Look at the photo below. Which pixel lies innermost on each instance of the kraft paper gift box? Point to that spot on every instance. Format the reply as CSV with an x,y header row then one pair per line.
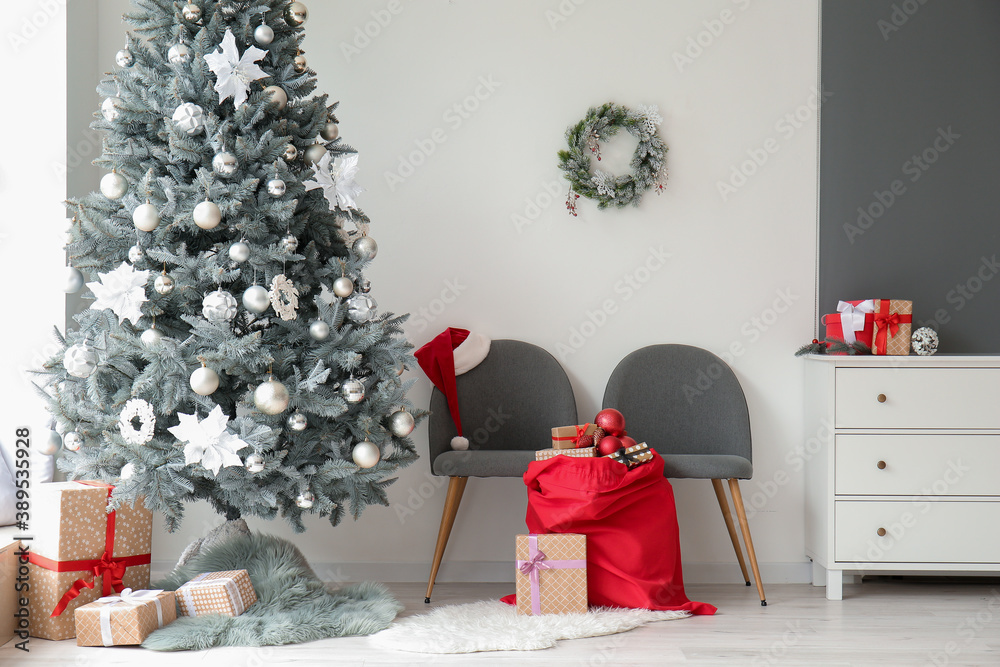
x,y
893,321
853,321
125,619
568,437
632,456
9,595
586,452
82,552
551,574
229,593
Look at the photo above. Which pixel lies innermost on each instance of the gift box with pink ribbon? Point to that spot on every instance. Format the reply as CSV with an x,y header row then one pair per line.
x,y
573,437
125,619
551,574
853,322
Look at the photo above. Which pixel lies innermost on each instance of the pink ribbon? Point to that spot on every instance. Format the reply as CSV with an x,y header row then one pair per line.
x,y
537,561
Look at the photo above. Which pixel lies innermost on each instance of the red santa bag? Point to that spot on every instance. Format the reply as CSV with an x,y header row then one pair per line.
x,y
629,518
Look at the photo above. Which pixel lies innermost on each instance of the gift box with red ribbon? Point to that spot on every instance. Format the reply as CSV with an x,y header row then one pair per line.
x,y
572,437
82,552
853,321
893,321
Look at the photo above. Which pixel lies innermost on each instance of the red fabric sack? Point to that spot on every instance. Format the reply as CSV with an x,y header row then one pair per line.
x,y
630,520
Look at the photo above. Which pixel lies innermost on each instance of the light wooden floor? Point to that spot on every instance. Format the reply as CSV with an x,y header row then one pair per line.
x,y
885,624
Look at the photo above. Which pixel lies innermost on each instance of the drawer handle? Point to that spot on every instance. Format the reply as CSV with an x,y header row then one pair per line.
x,y
880,398
881,532
881,465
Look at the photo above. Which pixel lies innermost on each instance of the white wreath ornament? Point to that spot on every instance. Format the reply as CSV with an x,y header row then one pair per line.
x,y
137,407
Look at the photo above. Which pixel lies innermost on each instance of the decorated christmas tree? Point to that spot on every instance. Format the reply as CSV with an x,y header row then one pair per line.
x,y
233,351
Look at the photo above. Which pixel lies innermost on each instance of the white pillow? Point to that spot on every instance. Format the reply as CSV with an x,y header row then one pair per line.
x,y
7,493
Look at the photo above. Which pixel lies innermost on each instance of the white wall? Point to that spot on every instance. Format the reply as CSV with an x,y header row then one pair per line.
x,y
452,223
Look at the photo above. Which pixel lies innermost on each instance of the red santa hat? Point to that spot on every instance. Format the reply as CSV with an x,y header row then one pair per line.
x,y
451,353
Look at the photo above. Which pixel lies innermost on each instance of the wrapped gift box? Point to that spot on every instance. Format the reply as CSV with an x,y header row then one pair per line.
x,y
632,456
82,552
551,574
586,452
893,321
9,595
568,437
229,593
125,619
853,321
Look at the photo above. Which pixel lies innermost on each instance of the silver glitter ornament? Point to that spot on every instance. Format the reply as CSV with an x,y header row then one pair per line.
x,y
276,187
271,397
145,217
192,12
300,64
297,421
218,306
204,381
353,391
343,287
224,164
296,14
49,446
289,243
366,454
151,337
114,185
924,341
256,299
239,252
365,248
207,215
74,280
401,423
278,96
330,131
124,58
254,463
361,308
134,254
291,153
163,284
305,500
189,118
314,154
319,330
72,441
178,54
263,35
109,108
79,360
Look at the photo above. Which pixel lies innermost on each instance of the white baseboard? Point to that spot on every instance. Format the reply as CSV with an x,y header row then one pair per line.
x,y
503,571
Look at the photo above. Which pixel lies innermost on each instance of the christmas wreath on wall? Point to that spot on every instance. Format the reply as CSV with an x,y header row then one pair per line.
x,y
648,161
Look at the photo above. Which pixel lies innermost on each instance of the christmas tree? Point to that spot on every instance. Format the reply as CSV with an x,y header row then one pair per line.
x,y
233,352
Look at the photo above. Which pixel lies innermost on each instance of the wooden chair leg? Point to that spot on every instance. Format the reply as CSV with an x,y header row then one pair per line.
x,y
456,487
720,493
741,514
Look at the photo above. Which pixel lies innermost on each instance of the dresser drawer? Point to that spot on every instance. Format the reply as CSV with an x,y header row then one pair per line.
x,y
934,532
952,398
917,465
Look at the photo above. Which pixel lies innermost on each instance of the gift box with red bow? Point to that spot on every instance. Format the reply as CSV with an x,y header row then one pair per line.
x,y
893,321
573,437
82,552
551,574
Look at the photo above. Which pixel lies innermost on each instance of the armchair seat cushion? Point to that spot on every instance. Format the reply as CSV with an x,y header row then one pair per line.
x,y
483,463
706,466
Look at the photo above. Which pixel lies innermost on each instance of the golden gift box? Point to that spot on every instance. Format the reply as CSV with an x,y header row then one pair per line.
x,y
125,619
229,593
568,437
551,574
586,452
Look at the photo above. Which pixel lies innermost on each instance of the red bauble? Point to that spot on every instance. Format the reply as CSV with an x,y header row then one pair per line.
x,y
628,442
611,421
609,444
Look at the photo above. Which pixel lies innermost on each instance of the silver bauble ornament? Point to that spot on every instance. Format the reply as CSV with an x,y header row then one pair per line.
x,y
343,287
314,154
114,185
163,284
178,54
296,14
401,423
263,35
239,252
254,463
127,471
353,391
297,421
300,64
366,454
145,217
291,152
256,299
924,341
51,444
361,308
365,286
135,254
289,243
207,215
224,164
151,337
365,248
79,360
74,280
109,108
278,96
319,330
218,306
204,381
271,397
276,187
330,131
192,12
305,500
189,118
72,441
124,58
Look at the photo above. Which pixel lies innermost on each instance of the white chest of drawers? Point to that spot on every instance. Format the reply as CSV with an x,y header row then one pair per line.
x,y
902,465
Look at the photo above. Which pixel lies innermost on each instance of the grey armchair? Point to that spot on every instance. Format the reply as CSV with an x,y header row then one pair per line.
x,y
508,405
701,432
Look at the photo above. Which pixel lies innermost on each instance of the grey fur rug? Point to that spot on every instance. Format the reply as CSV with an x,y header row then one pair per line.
x,y
292,606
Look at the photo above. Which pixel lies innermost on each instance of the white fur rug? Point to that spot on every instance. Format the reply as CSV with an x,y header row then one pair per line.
x,y
494,626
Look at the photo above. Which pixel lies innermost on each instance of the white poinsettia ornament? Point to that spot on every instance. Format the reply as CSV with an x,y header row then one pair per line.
x,y
208,441
651,117
123,291
233,72
337,180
